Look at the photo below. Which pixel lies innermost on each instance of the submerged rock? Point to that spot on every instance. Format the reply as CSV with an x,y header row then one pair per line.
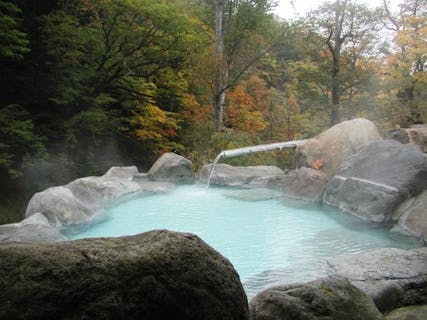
x,y
305,183
172,167
373,182
227,175
321,299
391,277
330,148
412,217
154,275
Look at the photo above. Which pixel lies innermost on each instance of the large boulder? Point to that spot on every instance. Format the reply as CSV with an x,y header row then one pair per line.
x,y
227,175
373,182
61,207
305,183
321,299
330,148
391,277
172,167
82,200
33,229
155,275
412,217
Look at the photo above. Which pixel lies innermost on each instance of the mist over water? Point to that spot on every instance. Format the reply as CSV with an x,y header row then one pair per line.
x,y
269,240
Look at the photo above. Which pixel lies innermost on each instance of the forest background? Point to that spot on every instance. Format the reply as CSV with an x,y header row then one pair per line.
x,y
88,84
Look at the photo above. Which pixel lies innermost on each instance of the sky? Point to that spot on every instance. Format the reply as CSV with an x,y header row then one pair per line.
x,y
289,9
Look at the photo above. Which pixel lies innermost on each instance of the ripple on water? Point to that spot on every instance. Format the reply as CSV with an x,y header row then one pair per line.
x,y
269,240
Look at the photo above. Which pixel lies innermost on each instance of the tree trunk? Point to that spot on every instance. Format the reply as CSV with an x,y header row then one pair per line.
x,y
219,95
336,56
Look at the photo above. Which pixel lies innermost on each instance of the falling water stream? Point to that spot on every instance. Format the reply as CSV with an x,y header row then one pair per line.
x,y
251,149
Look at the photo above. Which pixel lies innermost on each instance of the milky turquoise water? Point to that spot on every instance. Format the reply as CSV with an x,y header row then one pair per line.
x,y
269,241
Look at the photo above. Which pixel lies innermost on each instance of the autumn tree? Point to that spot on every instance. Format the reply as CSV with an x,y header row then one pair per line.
x,y
241,29
345,28
405,70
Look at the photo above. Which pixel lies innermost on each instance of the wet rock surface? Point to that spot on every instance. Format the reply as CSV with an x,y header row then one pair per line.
x,y
373,182
155,275
321,299
412,217
305,183
391,277
227,175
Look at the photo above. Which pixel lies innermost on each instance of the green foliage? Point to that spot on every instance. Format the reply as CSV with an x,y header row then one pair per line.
x,y
14,42
19,143
91,84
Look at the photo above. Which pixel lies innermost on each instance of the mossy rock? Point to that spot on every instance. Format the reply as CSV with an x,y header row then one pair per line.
x,y
417,312
323,299
154,275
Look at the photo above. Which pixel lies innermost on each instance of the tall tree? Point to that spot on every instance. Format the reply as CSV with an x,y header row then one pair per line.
x,y
243,34
342,24
405,68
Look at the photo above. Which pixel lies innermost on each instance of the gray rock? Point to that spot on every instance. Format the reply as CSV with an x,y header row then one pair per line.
x,y
35,228
172,167
37,218
397,134
373,182
82,200
156,186
321,299
142,176
125,173
418,312
253,194
305,183
336,144
391,277
155,275
413,217
106,189
226,175
416,135
60,206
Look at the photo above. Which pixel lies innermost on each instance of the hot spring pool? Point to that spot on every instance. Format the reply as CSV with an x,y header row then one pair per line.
x,y
269,240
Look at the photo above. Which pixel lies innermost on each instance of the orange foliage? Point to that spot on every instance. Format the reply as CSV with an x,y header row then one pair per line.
x,y
246,105
317,164
152,124
192,111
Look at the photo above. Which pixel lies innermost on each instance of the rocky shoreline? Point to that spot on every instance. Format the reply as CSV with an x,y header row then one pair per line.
x,y
348,166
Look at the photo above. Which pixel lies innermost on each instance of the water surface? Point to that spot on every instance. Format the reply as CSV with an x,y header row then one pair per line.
x,y
268,239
